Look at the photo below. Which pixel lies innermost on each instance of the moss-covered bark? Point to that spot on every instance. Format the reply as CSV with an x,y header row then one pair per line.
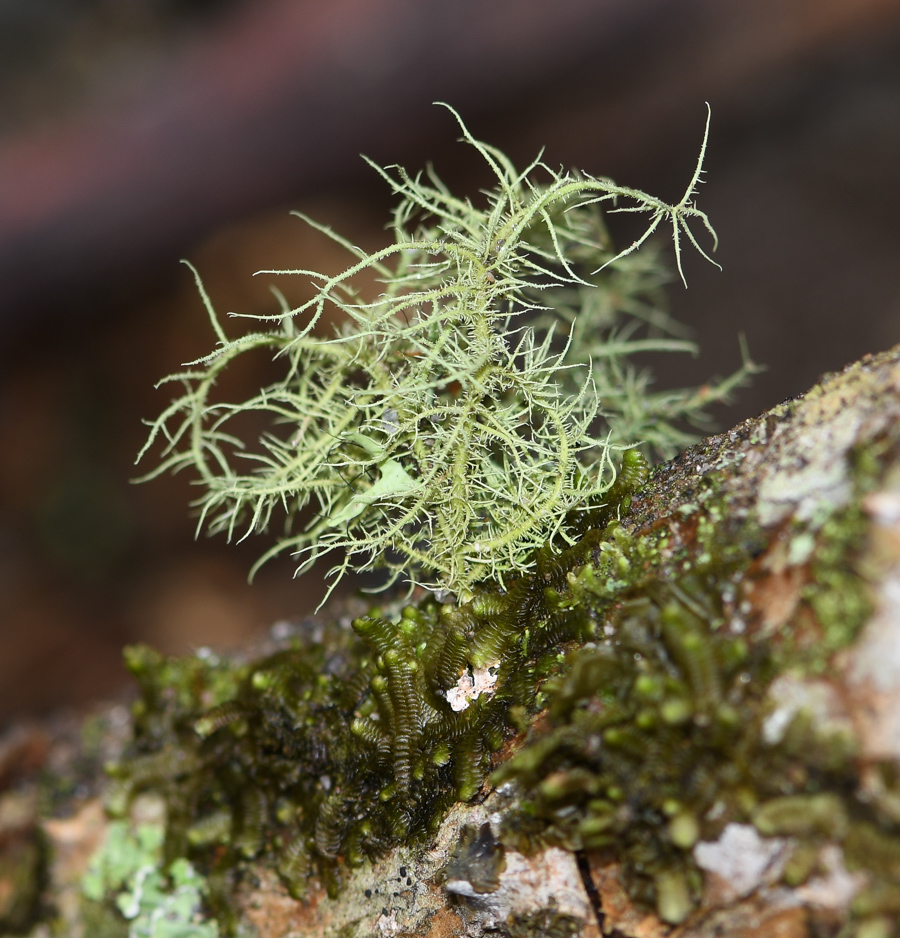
x,y
692,723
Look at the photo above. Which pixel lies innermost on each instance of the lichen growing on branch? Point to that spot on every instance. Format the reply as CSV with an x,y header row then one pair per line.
x,y
472,411
478,428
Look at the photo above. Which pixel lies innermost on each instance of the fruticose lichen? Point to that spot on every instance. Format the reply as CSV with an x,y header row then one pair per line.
x,y
472,411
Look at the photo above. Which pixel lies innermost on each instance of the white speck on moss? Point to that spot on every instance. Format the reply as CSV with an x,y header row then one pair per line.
x,y
470,686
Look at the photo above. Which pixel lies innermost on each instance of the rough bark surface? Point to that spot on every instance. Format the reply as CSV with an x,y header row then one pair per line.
x,y
784,469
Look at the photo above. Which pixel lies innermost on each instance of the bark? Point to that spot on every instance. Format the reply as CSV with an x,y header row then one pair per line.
x,y
792,465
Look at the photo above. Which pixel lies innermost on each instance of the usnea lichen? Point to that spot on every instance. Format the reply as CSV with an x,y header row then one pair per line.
x,y
470,412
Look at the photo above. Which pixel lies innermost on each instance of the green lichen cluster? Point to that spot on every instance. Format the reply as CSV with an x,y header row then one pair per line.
x,y
449,427
156,900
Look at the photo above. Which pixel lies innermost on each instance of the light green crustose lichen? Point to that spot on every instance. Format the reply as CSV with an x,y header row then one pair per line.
x,y
157,902
447,429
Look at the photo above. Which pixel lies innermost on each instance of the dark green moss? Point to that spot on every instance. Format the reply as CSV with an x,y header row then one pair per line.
x,y
646,746
23,873
544,924
102,921
336,748
343,743
653,737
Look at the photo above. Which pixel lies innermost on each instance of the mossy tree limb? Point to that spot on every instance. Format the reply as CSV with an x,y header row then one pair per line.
x,y
778,542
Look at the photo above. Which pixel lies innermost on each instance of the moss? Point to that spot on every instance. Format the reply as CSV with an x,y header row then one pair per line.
x,y
646,740
625,663
836,593
544,924
337,747
23,874
102,921
653,735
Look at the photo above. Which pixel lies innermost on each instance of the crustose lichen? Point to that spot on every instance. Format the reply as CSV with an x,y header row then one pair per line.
x,y
446,431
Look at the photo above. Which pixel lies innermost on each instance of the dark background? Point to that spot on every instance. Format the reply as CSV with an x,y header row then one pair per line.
x,y
136,132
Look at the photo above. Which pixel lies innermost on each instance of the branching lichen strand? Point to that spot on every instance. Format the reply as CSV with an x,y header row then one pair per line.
x,y
465,416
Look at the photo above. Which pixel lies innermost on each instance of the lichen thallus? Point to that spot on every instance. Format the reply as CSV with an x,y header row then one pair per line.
x,y
467,415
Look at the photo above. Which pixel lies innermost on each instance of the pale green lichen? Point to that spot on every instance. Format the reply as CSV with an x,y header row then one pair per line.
x,y
123,854
443,434
128,874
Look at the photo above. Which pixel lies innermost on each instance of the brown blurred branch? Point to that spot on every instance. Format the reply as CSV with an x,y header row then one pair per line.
x,y
280,96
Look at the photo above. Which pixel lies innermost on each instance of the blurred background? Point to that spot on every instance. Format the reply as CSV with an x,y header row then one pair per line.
x,y
137,132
